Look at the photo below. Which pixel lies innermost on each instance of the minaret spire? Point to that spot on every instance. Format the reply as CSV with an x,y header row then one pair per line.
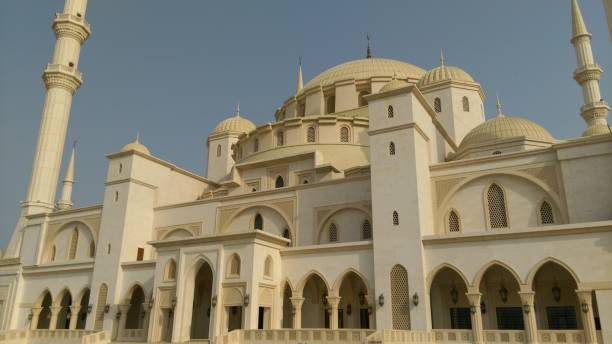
x,y
441,57
300,80
237,112
62,78
587,74
498,107
369,50
65,201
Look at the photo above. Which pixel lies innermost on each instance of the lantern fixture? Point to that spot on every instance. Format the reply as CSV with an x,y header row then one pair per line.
x,y
247,300
118,315
503,293
89,308
143,313
324,299
173,302
556,292
68,313
106,308
472,309
151,303
483,307
361,297
30,315
381,300
526,308
349,309
454,294
214,301
585,307
415,299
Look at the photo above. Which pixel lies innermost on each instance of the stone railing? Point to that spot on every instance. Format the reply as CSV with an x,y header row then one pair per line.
x,y
102,337
503,336
133,335
561,336
44,336
453,336
398,336
13,336
294,336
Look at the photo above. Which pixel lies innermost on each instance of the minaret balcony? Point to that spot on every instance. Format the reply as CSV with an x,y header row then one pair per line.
x,y
56,75
588,72
66,24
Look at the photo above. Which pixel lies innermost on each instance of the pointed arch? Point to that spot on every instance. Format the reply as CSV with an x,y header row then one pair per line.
x,y
333,232
345,134
481,272
135,298
546,213
437,105
300,286
400,297
366,229
338,282
45,301
465,102
432,274
391,148
61,294
496,206
64,301
100,306
453,222
170,270
390,113
534,270
287,313
234,265
279,182
268,267
258,222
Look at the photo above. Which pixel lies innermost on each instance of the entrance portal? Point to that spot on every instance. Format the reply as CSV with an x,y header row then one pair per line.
x,y
202,293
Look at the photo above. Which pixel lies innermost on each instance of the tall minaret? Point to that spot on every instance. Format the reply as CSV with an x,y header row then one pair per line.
x,y
62,78
300,80
587,74
65,201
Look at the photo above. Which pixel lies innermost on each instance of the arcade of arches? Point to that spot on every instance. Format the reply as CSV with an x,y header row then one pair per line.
x,y
63,313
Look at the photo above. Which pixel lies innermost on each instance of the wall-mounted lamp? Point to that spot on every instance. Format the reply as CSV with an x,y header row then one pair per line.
x,y
415,299
585,307
381,300
68,314
89,308
173,302
151,303
118,315
214,301
30,315
143,314
349,309
247,300
454,294
556,292
106,308
503,294
361,297
472,309
526,308
293,311
483,307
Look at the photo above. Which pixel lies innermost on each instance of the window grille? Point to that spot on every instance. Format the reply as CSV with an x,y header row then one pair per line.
x,y
497,152
74,240
218,150
561,317
390,112
460,318
311,135
391,148
546,213
280,138
453,222
256,145
466,104
438,105
400,298
258,222
395,218
344,134
333,233
497,207
366,230
509,318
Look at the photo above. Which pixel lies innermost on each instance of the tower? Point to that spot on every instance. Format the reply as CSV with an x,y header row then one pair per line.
x,y
62,78
65,201
587,74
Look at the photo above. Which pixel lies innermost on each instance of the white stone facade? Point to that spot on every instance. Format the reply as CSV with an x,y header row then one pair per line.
x,y
378,207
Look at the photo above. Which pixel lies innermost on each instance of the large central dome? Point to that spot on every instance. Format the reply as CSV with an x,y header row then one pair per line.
x,y
366,69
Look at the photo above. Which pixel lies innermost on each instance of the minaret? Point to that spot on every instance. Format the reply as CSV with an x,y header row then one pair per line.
x,y
65,201
62,78
587,74
300,80
369,50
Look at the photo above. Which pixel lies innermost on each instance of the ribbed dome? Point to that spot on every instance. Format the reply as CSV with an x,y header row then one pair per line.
x,y
443,73
365,69
235,123
393,85
505,127
136,146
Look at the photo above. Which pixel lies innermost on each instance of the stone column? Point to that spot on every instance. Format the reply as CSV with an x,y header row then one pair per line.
x,y
297,311
147,315
122,319
529,318
35,314
586,313
74,316
474,299
55,310
333,302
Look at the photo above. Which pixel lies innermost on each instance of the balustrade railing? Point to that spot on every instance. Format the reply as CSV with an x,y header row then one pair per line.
x,y
295,336
453,336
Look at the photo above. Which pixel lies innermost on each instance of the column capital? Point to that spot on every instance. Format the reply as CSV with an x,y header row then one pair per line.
x,y
297,301
36,310
55,309
334,301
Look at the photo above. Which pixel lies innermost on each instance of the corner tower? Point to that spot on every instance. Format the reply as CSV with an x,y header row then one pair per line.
x,y
62,78
587,74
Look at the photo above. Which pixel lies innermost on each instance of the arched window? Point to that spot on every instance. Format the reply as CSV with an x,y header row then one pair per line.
x,y
279,182
546,214
361,100
74,241
453,222
287,234
234,265
330,104
311,135
390,111
400,298
302,109
53,251
437,105
466,104
256,145
395,218
333,233
366,230
170,273
496,202
92,249
391,148
280,138
258,222
218,150
344,134
268,267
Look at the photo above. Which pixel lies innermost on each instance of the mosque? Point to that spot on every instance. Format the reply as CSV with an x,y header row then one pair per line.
x,y
379,206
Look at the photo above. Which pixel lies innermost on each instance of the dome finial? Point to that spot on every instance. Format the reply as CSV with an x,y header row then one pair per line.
x,y
498,106
369,51
237,112
137,139
441,57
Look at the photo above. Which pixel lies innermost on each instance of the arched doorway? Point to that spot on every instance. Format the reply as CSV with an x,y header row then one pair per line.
x,y
44,318
315,309
201,311
500,306
287,321
82,320
134,319
63,317
556,304
353,310
450,308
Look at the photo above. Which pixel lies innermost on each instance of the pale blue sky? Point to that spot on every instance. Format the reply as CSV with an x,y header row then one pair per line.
x,y
172,69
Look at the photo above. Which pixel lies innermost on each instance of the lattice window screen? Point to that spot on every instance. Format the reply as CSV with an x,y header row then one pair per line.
x,y
344,134
99,320
466,104
400,298
395,218
453,222
366,230
391,148
310,135
546,213
437,105
74,240
497,207
333,233
390,111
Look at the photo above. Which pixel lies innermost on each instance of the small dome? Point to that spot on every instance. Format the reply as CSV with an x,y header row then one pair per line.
x,y
505,127
136,146
236,124
443,73
393,85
